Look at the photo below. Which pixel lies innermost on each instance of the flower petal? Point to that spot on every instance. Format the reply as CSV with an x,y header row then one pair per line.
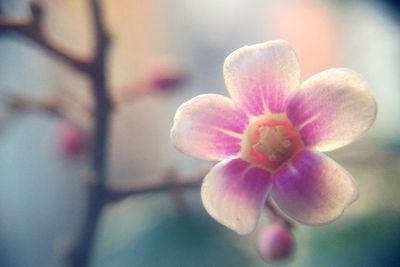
x,y
209,127
261,77
313,189
234,193
332,109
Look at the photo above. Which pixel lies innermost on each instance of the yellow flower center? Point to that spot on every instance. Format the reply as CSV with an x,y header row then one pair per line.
x,y
275,143
270,142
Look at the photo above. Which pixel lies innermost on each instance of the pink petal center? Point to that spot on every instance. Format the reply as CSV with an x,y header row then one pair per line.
x,y
271,141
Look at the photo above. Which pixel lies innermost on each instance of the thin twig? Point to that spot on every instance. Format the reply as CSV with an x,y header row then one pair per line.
x,y
33,30
116,195
177,195
16,103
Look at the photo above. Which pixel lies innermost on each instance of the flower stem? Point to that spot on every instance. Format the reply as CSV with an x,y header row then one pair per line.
x,y
277,215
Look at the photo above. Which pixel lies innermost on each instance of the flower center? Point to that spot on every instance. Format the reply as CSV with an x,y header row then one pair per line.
x,y
275,143
271,142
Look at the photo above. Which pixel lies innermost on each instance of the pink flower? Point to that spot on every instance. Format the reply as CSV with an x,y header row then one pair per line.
x,y
269,136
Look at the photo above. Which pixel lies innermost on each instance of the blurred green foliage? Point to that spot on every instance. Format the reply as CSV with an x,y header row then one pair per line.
x,y
194,241
371,241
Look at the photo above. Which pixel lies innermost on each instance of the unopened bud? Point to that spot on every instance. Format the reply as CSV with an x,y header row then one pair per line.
x,y
165,79
275,243
164,74
72,139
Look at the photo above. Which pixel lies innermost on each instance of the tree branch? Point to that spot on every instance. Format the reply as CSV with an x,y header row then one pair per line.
x,y
115,195
16,103
81,254
99,194
33,30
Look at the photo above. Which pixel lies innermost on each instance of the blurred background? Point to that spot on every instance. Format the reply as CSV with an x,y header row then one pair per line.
x,y
42,197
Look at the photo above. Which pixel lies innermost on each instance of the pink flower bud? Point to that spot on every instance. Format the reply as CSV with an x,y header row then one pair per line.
x,y
72,139
275,243
164,78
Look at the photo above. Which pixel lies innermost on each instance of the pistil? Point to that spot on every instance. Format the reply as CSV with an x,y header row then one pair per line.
x,y
275,143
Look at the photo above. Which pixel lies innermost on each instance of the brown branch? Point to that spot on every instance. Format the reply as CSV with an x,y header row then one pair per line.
x,y
81,253
15,103
98,75
115,195
96,71
33,30
99,194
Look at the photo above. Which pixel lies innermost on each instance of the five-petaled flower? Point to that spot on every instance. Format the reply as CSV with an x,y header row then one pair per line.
x,y
269,136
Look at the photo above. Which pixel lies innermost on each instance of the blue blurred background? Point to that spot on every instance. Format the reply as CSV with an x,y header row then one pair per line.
x,y
42,198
